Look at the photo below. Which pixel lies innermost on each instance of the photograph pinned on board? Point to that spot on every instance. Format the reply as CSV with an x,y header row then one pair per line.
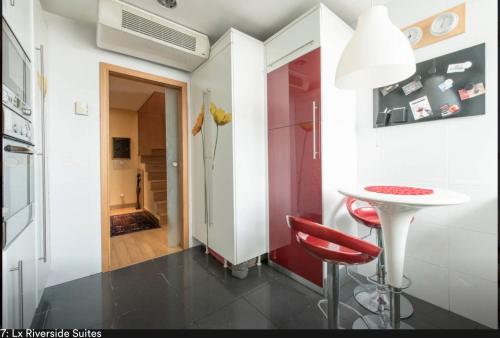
x,y
471,90
383,117
445,85
398,115
413,86
459,67
421,108
448,110
387,89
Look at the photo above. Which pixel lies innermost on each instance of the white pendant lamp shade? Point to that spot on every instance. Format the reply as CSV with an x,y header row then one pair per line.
x,y
378,54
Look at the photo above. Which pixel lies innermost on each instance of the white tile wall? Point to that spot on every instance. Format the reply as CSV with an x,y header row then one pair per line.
x,y
470,151
473,298
428,242
474,253
429,282
452,252
480,214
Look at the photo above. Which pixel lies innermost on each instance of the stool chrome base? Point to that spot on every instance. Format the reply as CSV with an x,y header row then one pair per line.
x,y
376,323
369,300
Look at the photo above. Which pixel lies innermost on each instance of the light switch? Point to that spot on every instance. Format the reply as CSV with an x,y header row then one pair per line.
x,y
81,108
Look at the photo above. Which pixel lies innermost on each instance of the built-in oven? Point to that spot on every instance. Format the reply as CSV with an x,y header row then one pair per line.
x,y
16,74
17,136
17,176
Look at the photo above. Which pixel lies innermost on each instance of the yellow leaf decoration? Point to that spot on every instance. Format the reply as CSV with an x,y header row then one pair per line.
x,y
42,83
199,121
220,117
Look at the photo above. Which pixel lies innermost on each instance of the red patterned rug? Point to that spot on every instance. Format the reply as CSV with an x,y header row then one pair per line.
x,y
136,221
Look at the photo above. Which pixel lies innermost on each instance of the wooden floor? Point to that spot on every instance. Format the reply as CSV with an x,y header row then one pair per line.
x,y
138,246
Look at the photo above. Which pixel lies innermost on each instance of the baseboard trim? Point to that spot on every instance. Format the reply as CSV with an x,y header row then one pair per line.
x,y
121,206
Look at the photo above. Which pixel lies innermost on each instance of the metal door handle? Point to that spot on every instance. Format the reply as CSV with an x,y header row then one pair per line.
x,y
314,108
18,150
19,270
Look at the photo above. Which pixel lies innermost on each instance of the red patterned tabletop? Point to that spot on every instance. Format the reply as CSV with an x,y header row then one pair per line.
x,y
398,190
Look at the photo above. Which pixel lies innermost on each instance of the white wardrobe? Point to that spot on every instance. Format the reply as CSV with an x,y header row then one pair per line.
x,y
234,79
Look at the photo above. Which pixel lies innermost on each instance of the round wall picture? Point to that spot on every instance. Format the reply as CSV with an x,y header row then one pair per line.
x,y
414,35
444,23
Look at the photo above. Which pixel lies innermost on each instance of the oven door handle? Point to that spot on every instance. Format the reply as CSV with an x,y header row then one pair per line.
x,y
18,150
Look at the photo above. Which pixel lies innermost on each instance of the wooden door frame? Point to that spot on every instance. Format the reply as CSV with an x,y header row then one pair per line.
x,y
105,70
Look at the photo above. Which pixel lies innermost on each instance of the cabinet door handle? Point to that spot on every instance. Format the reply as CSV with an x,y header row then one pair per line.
x,y
315,150
19,270
12,3
44,185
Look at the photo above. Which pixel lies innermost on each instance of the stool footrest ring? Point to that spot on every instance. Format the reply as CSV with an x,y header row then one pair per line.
x,y
323,311
406,281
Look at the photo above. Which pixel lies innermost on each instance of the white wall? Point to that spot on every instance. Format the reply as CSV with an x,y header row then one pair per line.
x,y
74,169
452,251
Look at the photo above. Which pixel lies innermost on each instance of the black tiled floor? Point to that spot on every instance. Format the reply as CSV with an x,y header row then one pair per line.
x,y
281,299
237,315
193,291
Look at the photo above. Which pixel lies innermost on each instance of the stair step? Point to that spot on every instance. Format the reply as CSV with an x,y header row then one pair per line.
x,y
159,152
158,175
153,159
156,167
159,185
160,196
161,207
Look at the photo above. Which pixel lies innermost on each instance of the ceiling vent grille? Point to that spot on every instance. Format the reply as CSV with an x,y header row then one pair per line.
x,y
155,30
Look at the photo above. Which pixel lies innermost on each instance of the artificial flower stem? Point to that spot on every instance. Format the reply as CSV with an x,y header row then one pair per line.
x,y
205,186
215,147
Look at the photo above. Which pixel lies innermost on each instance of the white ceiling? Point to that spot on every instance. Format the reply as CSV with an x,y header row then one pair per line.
x,y
129,94
258,18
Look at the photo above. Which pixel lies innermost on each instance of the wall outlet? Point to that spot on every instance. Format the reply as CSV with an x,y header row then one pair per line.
x,y
81,108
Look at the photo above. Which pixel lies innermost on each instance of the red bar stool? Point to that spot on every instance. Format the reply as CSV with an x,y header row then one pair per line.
x,y
334,248
373,297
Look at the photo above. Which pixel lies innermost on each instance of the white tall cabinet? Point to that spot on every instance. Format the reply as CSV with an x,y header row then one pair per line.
x,y
234,77
321,28
307,167
19,16
40,105
19,281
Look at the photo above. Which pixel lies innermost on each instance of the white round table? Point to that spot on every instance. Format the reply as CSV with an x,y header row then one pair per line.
x,y
396,206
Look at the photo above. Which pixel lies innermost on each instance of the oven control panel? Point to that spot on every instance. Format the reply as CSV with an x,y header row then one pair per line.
x,y
16,126
10,100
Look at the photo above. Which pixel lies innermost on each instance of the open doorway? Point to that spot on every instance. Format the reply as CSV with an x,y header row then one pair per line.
x,y
143,167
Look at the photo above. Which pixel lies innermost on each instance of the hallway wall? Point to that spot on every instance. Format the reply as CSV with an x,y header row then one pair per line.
x,y
123,172
74,146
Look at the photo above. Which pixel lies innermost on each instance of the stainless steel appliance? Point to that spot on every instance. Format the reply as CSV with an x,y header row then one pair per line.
x,y
17,148
16,74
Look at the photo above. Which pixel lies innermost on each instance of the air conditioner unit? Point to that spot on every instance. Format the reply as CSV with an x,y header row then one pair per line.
x,y
129,30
